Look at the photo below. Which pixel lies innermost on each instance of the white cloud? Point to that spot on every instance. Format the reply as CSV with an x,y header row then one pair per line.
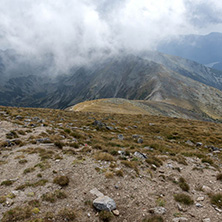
x,y
72,30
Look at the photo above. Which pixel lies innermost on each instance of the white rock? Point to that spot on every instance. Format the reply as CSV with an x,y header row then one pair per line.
x,y
200,199
96,192
206,220
218,209
116,212
199,205
206,189
158,210
180,219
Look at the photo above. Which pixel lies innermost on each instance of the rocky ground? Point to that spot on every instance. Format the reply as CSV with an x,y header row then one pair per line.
x,y
54,165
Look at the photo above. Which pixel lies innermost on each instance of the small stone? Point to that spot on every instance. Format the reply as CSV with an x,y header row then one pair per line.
x,y
9,202
198,144
88,214
154,167
158,210
116,212
169,165
180,219
206,189
15,192
180,208
206,220
104,203
200,199
199,205
96,192
140,140
140,155
218,209
109,127
188,142
135,136
120,137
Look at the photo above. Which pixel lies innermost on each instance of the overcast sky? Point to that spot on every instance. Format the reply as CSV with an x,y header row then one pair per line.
x,y
71,30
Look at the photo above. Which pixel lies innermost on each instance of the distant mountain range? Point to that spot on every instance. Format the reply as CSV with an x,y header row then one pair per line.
x,y
204,49
149,76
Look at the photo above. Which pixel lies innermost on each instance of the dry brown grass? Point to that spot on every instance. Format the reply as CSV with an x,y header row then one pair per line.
x,y
104,156
164,139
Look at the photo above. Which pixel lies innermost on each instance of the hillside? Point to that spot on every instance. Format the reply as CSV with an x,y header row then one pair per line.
x,y
147,76
204,49
154,168
122,106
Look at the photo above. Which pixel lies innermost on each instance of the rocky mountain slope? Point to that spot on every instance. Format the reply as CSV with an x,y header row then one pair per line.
x,y
204,49
55,164
148,76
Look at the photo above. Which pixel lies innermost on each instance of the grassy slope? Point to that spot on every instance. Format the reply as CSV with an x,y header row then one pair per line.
x,y
169,107
88,156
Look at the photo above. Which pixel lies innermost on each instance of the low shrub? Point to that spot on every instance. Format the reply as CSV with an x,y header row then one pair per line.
x,y
183,198
61,180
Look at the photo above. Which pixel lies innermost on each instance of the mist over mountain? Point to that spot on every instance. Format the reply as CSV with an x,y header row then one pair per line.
x,y
149,75
204,49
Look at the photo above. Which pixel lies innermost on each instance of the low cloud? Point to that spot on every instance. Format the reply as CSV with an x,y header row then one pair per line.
x,y
76,31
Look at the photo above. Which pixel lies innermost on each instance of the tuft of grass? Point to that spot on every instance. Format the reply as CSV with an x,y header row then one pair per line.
x,y
219,176
52,197
34,203
109,175
183,185
21,132
74,145
183,198
2,199
67,131
153,219
67,214
119,173
29,170
41,182
216,199
130,164
23,161
59,144
61,180
207,160
17,214
60,194
105,216
11,135
154,160
7,182
104,156
49,197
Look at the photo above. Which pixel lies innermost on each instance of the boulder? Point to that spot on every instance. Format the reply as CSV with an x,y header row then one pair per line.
x,y
104,203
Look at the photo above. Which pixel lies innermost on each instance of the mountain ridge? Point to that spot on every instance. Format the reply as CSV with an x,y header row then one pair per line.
x,y
147,76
